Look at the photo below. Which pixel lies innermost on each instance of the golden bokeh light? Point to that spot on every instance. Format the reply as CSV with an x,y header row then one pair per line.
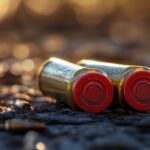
x,y
43,7
8,8
91,12
26,79
28,65
21,51
4,50
2,70
40,146
16,68
54,43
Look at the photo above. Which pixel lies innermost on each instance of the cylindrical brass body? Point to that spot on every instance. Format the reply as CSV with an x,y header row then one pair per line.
x,y
21,125
79,87
132,82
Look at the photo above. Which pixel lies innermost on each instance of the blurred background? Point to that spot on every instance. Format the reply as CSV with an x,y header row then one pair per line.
x,y
33,30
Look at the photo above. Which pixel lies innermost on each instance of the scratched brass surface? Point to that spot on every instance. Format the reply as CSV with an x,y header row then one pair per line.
x,y
57,77
114,71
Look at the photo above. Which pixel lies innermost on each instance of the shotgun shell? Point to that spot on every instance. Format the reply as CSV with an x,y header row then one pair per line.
x,y
87,89
22,125
132,82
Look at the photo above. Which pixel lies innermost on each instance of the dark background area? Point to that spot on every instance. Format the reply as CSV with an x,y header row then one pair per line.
x,y
109,30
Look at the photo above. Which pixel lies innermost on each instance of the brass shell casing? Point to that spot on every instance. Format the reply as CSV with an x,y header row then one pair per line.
x,y
59,79
119,74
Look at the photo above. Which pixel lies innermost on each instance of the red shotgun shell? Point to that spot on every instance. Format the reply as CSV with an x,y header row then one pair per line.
x,y
93,92
137,90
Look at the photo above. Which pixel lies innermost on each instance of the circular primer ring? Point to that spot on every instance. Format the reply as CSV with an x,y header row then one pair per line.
x,y
137,90
93,92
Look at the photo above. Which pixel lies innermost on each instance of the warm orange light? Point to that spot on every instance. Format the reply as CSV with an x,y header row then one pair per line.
x,y
43,7
40,146
8,8
21,51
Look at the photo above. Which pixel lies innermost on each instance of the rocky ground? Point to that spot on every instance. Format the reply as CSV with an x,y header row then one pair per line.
x,y
65,128
114,129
